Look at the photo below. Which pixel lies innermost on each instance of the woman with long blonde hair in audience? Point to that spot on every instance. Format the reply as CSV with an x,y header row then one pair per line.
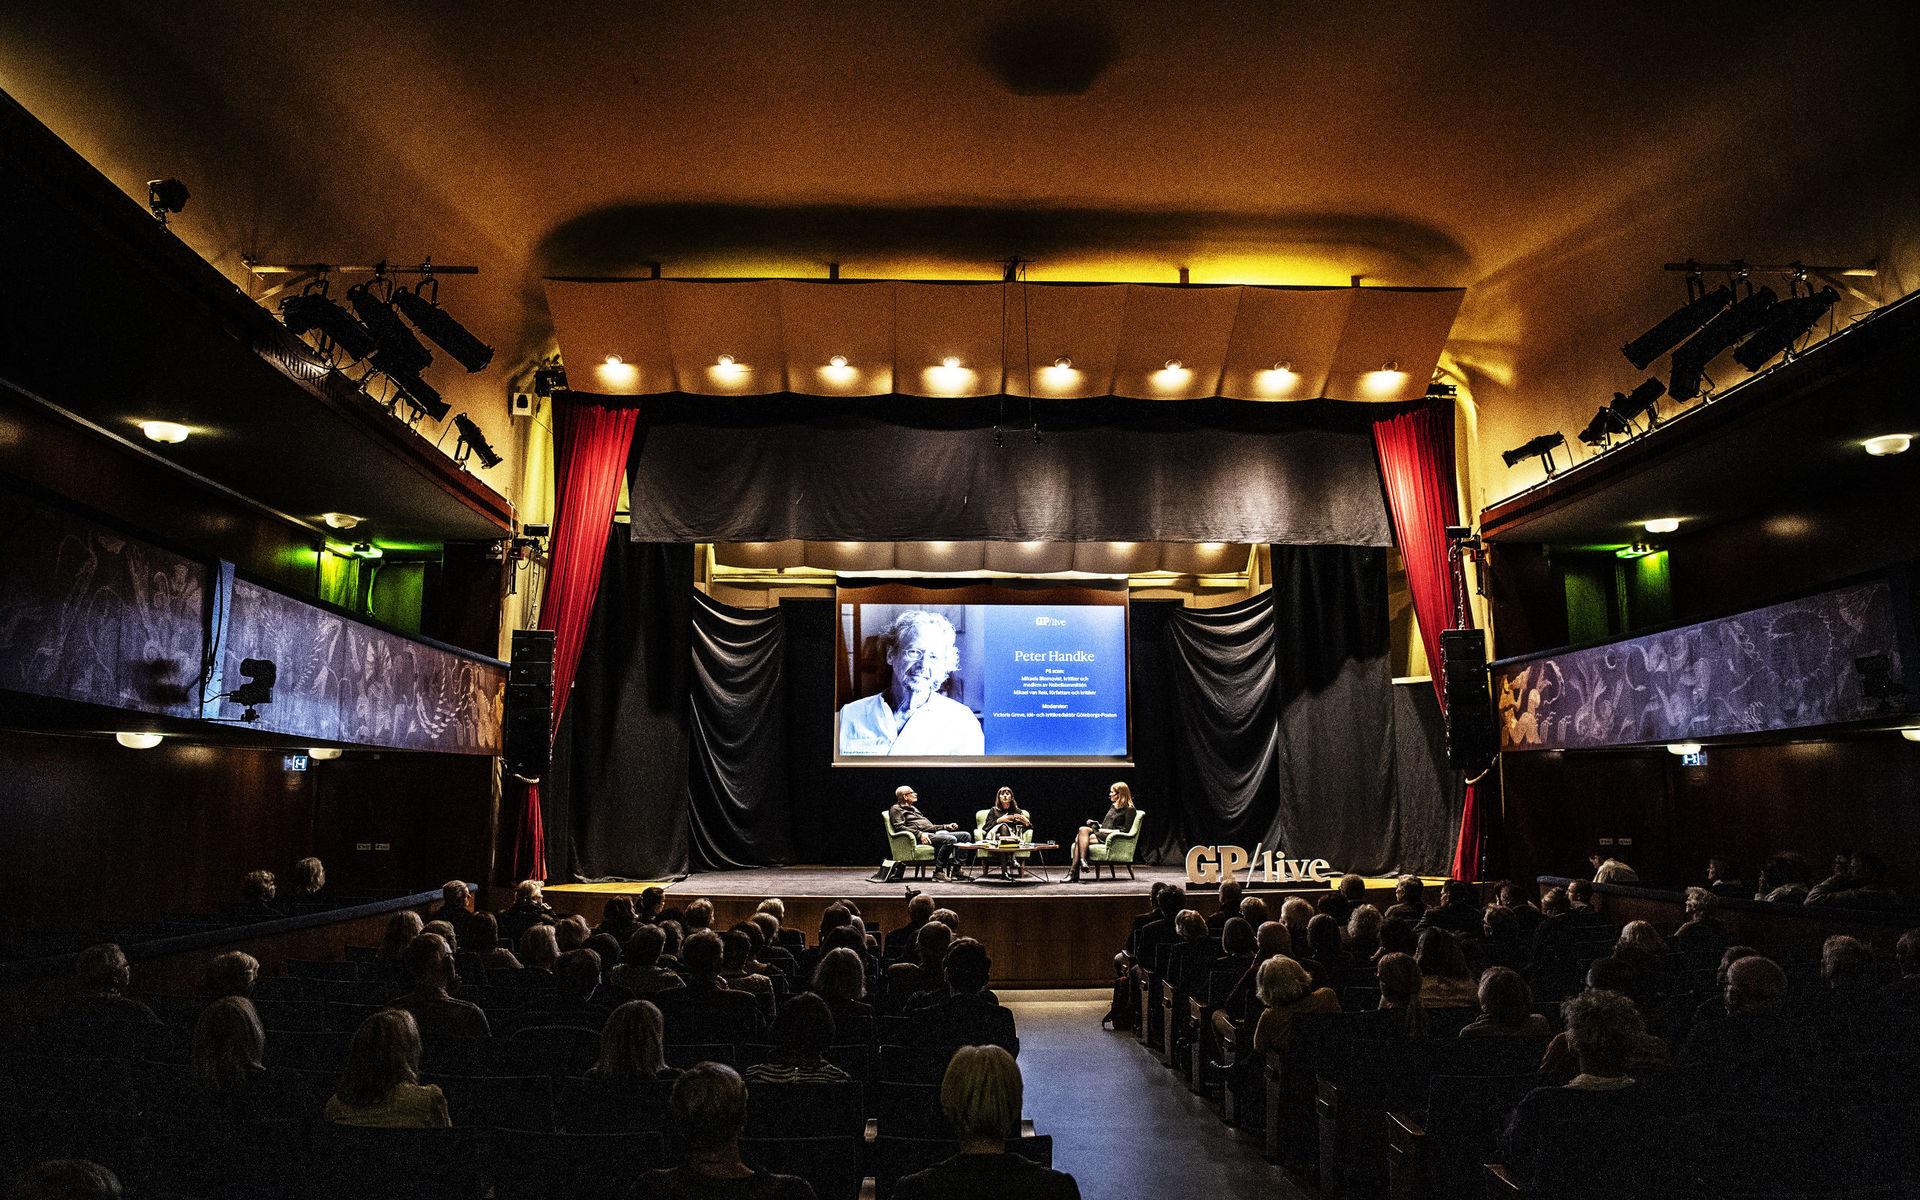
x,y
229,1046
1286,990
841,980
380,1086
633,1045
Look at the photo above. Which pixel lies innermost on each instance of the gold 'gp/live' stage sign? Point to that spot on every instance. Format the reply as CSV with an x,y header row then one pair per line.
x,y
1212,864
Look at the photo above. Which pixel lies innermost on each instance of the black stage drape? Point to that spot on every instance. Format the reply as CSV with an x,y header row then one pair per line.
x,y
616,802
901,469
1270,723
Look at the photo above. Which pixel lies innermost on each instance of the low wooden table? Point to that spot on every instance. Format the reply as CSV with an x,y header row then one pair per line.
x,y
1009,865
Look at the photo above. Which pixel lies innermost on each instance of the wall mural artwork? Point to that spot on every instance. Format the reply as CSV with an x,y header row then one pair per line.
x,y
340,680
89,614
1788,666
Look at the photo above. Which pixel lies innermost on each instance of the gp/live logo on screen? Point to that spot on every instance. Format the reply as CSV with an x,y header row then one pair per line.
x,y
1050,622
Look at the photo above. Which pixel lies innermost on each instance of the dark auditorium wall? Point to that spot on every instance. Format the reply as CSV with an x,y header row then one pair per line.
x,y
1746,802
90,831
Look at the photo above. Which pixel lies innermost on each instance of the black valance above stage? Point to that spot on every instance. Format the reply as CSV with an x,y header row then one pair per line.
x,y
700,735
909,469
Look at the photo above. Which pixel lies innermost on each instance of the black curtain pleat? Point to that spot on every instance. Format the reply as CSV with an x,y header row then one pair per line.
x,y
738,783
617,798
1220,665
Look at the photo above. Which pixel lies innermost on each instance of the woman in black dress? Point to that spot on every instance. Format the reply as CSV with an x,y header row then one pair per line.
x,y
1119,817
1006,818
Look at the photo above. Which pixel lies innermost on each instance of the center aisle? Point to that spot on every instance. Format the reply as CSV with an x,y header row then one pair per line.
x,y
1122,1124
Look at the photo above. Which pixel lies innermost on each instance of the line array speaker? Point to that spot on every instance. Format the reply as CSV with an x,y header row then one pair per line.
x,y
1463,676
529,716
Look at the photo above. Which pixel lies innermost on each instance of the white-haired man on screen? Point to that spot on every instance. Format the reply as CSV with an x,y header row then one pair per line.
x,y
912,718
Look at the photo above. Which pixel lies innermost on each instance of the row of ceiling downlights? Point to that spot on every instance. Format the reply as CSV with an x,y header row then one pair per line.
x,y
139,739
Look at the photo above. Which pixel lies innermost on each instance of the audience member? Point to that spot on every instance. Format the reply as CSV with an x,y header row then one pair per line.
x,y
1723,879
607,950
1363,933
904,979
529,908
576,1000
700,915
67,1179
947,917
1862,885
633,1046
229,1047
1193,954
1502,943
1458,911
1349,893
646,909
709,1110
1753,1032
1603,1030
1231,893
841,980
900,942
1784,879
801,1036
1848,986
257,892
539,948
1526,914
1621,978
1253,910
1238,946
617,920
769,948
1327,952
670,952
1445,979
1409,900
445,932
232,974
736,949
1608,869
1641,938
640,972
1285,991
402,928
1580,897
1400,983
436,1013
981,1096
1715,1006
706,1001
307,886
571,932
1507,1003
969,1015
1558,930
456,909
380,1086
101,977
1396,937
1703,929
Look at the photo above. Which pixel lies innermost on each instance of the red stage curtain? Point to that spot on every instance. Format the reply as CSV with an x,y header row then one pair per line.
x,y
1415,449
591,444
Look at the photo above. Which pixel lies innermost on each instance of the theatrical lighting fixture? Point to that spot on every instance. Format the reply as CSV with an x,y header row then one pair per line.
x,y
139,741
549,378
420,396
473,444
1677,326
450,335
1722,333
166,432
1640,402
1662,525
1888,444
1683,748
397,351
1541,448
324,753
1599,431
260,675
166,196
1789,319
314,311
341,520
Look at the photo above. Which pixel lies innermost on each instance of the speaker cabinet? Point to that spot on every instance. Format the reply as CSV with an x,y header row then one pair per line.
x,y
528,732
1463,677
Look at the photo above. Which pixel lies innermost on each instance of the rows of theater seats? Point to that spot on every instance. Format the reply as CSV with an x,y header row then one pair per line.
x,y
527,1122
1824,1106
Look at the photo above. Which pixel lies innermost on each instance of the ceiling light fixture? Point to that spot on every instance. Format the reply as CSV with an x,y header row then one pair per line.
x,y
617,373
1683,748
324,753
168,433
1912,735
341,520
1541,448
1888,444
473,444
725,362
1677,326
1663,525
1063,363
950,363
838,362
1173,364
429,318
139,741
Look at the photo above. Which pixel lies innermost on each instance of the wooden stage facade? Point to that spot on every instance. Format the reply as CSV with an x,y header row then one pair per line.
x,y
1040,934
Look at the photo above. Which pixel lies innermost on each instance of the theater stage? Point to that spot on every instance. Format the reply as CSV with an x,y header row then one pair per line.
x,y
1040,934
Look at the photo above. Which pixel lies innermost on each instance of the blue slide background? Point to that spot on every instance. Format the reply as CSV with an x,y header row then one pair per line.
x,y
1049,708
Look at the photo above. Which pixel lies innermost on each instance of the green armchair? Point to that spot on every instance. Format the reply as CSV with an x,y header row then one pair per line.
x,y
1117,850
980,835
904,848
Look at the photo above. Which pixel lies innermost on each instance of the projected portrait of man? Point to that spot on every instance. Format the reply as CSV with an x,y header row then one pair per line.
x,y
911,717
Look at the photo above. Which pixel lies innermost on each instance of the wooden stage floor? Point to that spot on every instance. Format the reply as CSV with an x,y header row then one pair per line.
x,y
1041,935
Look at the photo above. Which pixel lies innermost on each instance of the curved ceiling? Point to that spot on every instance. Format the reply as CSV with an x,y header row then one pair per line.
x,y
1548,160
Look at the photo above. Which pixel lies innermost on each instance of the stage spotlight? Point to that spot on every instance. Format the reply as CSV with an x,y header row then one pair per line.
x,y
473,443
397,351
448,334
1722,333
1789,319
1606,422
313,311
1541,448
1640,402
166,196
1676,327
420,396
